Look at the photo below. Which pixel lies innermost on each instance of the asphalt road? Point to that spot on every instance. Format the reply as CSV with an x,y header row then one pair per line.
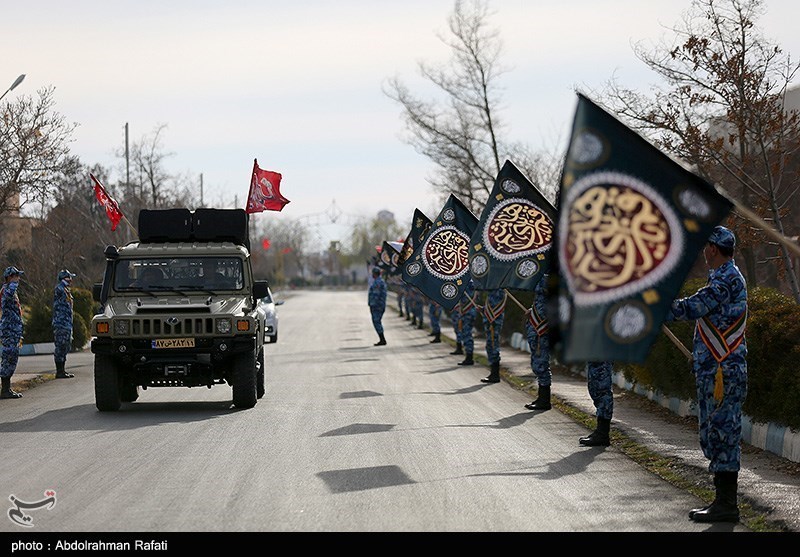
x,y
349,437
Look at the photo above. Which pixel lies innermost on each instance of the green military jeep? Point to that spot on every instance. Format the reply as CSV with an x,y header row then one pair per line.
x,y
179,308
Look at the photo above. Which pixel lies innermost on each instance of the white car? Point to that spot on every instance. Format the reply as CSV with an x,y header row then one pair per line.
x,y
268,303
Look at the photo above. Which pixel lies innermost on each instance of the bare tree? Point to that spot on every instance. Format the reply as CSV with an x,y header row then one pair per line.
x,y
461,133
723,111
288,244
34,150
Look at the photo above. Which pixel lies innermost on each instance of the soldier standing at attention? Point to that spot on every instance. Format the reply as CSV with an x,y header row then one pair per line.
x,y
376,298
11,329
719,364
468,311
62,322
539,343
493,314
598,376
455,319
435,313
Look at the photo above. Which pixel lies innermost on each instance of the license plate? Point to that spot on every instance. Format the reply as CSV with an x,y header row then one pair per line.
x,y
173,343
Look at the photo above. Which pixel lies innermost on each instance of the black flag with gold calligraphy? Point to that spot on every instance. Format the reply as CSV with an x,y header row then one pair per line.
x,y
511,245
632,222
420,225
439,266
389,257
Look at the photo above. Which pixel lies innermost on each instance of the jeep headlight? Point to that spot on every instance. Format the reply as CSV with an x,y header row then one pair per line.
x,y
122,327
223,326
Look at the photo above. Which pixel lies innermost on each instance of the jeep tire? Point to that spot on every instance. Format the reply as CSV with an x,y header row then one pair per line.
x,y
244,380
260,388
106,384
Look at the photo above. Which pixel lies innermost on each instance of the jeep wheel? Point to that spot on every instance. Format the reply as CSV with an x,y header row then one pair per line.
x,y
260,389
129,392
244,380
106,384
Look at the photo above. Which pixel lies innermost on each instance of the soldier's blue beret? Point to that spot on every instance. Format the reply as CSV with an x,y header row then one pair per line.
x,y
722,237
376,270
12,271
64,273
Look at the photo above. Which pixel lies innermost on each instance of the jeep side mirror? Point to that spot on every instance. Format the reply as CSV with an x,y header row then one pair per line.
x,y
260,289
96,290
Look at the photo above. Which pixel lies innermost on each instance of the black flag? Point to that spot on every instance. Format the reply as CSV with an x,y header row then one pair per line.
x,y
631,224
511,245
439,267
420,225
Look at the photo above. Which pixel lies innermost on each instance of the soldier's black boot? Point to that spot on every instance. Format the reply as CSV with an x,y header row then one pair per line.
x,y
437,337
468,361
600,437
494,374
381,341
5,390
458,351
725,507
542,401
60,372
697,510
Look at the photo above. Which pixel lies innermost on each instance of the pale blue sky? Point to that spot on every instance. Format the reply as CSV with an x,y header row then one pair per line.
x,y
298,84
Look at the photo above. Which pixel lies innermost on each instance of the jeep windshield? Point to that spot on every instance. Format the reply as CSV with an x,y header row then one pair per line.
x,y
184,274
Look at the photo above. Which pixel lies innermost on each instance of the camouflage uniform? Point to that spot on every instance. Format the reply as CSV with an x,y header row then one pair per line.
x,y
435,314
719,355
11,326
599,381
720,309
455,318
468,312
376,299
538,338
493,315
62,318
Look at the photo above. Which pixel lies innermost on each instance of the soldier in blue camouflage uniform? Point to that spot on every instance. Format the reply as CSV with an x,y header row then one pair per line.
x,y
468,311
435,314
376,299
599,376
407,294
419,308
455,319
62,322
719,355
539,343
11,329
493,313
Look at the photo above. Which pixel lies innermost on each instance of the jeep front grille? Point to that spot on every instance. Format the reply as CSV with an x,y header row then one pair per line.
x,y
187,326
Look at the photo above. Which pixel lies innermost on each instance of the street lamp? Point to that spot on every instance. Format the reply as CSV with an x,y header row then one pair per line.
x,y
13,86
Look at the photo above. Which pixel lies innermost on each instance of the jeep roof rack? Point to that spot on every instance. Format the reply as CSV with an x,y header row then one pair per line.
x,y
201,225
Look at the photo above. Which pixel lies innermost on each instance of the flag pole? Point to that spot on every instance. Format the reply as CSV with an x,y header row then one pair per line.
x,y
523,308
677,342
132,227
753,217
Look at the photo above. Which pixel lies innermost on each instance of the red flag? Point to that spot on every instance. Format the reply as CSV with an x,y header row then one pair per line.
x,y
286,250
112,209
265,192
265,243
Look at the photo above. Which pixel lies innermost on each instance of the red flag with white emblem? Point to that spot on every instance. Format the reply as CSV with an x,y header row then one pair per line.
x,y
265,193
108,202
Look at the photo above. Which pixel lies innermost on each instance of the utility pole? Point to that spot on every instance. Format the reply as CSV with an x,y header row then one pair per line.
x,y
127,161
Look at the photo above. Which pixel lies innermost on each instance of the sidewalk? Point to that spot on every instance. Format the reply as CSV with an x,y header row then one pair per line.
x,y
768,483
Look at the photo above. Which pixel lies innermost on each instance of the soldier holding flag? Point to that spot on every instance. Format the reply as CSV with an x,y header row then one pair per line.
x,y
720,369
539,343
493,313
